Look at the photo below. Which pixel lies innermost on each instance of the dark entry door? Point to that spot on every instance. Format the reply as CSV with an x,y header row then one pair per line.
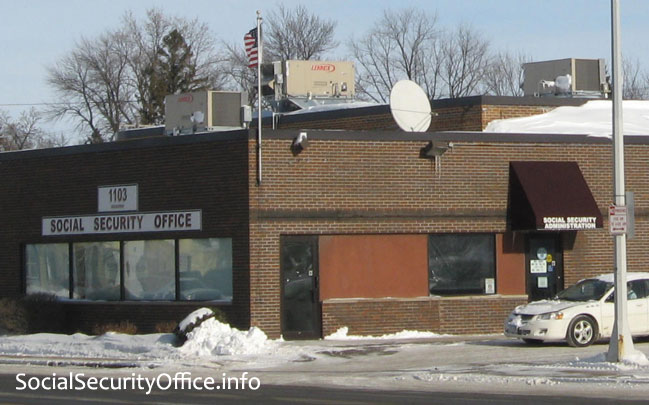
x,y
300,301
544,266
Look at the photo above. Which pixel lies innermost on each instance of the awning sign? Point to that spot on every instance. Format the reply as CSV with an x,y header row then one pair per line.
x,y
617,219
569,223
121,223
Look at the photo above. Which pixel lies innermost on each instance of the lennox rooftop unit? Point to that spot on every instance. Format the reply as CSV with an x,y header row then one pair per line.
x,y
206,110
295,84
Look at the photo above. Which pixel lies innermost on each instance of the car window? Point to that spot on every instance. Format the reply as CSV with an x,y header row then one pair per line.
x,y
634,290
639,288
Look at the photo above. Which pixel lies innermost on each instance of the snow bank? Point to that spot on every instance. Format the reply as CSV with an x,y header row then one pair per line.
x,y
593,118
341,334
215,338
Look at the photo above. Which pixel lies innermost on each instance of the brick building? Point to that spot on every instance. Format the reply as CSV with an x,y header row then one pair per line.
x,y
363,229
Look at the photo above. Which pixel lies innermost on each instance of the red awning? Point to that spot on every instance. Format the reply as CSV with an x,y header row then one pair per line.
x,y
551,196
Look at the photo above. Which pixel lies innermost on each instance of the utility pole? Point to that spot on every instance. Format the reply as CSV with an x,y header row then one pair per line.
x,y
621,344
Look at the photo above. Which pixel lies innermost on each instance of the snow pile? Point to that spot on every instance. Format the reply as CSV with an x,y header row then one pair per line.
x,y
633,359
212,337
342,334
593,118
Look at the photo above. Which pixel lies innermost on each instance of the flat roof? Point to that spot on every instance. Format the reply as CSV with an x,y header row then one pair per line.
x,y
333,135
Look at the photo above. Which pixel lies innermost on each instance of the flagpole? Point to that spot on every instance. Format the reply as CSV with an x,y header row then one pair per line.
x,y
260,53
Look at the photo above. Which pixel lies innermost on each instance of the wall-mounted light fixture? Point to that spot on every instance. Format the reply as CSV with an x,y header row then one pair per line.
x,y
434,149
300,143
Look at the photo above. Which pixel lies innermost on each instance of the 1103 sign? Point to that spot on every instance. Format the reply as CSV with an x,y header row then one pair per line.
x,y
117,198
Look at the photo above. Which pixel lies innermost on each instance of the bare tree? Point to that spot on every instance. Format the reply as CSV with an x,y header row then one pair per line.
x,y
297,34
117,79
465,59
25,133
504,76
287,34
636,81
155,42
401,45
237,72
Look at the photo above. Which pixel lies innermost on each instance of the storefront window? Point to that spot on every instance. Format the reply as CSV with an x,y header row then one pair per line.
x,y
48,269
205,269
96,271
461,264
149,270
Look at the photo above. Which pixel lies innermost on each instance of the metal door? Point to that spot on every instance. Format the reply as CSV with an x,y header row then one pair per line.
x,y
300,304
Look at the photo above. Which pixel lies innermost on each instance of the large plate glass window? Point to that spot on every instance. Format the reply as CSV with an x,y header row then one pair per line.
x,y
461,264
205,269
48,269
149,270
96,271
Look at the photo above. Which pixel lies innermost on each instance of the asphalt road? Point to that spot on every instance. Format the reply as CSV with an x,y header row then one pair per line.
x,y
277,394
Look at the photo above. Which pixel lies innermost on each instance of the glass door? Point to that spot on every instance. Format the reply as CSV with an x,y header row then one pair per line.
x,y
300,298
544,260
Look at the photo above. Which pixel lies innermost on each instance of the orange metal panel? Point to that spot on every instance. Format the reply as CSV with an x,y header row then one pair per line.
x,y
373,266
510,264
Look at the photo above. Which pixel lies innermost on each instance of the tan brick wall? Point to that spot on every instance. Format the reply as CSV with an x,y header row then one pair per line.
x,y
345,186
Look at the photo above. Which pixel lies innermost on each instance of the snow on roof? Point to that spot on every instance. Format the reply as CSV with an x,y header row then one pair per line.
x,y
593,118
333,107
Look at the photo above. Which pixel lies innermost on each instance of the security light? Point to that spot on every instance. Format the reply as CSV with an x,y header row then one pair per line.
x,y
300,143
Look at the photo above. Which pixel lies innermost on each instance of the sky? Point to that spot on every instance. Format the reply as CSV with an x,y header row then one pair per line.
x,y
35,34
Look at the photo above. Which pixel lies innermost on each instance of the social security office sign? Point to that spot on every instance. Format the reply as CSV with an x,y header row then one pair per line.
x,y
121,223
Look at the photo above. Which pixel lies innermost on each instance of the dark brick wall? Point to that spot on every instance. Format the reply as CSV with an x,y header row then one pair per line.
x,y
172,174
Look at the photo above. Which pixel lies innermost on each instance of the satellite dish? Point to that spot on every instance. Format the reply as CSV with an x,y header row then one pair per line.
x,y
410,106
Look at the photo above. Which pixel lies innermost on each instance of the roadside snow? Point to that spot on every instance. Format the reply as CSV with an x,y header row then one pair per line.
x,y
395,361
593,118
342,334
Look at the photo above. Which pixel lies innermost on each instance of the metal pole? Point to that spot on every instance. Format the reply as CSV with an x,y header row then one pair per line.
x,y
621,344
260,53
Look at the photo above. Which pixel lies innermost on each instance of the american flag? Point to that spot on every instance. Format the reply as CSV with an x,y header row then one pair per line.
x,y
250,40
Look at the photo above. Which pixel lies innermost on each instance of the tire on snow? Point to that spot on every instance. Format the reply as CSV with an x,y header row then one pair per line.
x,y
582,331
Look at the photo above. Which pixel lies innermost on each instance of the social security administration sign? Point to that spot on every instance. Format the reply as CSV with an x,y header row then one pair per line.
x,y
121,223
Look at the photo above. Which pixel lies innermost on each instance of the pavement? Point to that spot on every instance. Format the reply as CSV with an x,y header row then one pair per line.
x,y
477,363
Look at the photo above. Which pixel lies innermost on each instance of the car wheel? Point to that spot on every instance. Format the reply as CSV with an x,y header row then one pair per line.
x,y
533,342
582,331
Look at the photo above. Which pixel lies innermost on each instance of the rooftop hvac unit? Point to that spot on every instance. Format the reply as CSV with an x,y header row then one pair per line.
x,y
566,77
206,110
295,84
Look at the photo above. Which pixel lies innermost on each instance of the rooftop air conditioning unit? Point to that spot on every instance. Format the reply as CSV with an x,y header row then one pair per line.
x,y
566,77
295,84
206,110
